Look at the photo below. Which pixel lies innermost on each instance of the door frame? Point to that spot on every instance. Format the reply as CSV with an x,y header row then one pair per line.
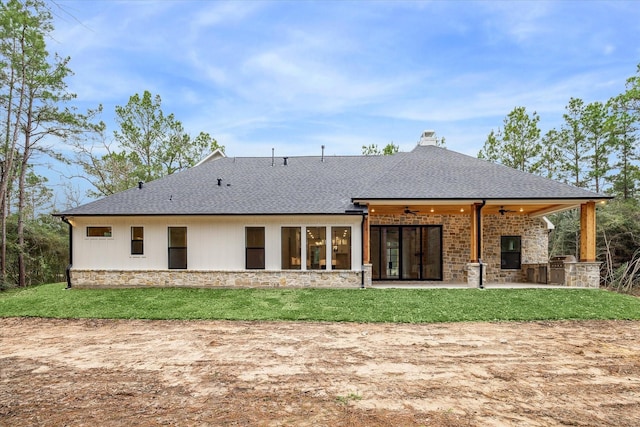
x,y
377,246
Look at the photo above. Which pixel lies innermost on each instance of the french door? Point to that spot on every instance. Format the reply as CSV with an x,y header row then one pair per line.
x,y
406,252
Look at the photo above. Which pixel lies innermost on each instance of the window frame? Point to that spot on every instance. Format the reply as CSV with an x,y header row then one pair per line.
x,y
104,234
254,256
175,249
289,260
135,241
339,242
316,254
511,259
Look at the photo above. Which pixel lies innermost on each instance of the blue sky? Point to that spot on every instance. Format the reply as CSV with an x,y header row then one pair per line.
x,y
295,75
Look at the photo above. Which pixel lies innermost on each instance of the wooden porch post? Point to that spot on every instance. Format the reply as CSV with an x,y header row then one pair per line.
x,y
366,257
588,232
474,232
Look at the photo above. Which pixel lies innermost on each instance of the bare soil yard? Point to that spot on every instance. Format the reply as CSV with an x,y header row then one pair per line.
x,y
147,373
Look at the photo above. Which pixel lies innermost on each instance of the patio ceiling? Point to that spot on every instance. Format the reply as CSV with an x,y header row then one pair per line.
x,y
534,208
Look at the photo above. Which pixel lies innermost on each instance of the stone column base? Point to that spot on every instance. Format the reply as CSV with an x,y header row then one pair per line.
x,y
582,274
367,271
473,274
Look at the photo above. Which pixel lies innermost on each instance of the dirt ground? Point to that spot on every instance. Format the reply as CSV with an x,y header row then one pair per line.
x,y
148,373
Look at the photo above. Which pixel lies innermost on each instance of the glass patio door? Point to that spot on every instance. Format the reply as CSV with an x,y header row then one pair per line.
x,y
432,253
406,252
390,259
411,253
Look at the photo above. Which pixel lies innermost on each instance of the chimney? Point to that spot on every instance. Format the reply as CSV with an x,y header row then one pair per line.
x,y
428,137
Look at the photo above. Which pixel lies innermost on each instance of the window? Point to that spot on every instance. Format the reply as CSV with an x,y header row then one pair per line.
x,y
316,248
137,240
341,242
255,248
99,231
510,252
178,247
291,248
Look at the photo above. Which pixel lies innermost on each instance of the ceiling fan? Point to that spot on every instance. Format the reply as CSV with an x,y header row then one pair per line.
x,y
408,211
503,211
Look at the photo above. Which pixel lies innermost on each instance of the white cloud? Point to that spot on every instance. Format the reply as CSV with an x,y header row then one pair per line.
x,y
523,21
214,14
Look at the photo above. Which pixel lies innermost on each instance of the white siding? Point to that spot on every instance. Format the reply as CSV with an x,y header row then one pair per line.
x,y
213,243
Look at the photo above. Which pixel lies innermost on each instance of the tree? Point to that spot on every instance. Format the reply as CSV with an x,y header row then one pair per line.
x,y
572,144
625,136
34,92
12,42
107,170
155,142
598,126
373,150
518,144
549,166
584,143
624,144
45,250
632,94
148,145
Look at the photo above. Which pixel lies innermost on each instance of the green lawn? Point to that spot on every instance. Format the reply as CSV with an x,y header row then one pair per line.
x,y
341,305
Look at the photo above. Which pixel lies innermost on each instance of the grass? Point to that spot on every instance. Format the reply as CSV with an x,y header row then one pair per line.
x,y
335,305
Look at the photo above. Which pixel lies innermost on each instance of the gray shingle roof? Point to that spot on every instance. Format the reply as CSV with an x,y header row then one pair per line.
x,y
430,172
308,185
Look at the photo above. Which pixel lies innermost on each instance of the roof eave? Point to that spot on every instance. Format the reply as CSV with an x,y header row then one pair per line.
x,y
489,200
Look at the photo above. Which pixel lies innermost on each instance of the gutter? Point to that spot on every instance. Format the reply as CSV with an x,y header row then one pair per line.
x,y
68,270
479,240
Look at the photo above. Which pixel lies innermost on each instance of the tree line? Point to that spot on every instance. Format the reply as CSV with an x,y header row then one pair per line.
x,y
596,146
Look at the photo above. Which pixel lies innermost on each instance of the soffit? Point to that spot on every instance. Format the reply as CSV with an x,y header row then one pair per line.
x,y
505,207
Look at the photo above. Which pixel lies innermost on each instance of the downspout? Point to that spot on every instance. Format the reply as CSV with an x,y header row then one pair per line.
x,y
479,240
68,270
364,215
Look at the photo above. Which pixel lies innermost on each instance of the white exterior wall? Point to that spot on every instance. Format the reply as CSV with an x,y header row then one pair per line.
x,y
213,242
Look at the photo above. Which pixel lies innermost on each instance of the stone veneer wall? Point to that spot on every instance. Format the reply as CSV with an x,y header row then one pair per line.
x,y
215,279
585,274
456,242
535,244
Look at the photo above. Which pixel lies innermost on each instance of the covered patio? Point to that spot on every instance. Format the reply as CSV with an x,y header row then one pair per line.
x,y
472,248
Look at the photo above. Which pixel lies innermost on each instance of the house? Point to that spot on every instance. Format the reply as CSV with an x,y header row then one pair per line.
x,y
429,215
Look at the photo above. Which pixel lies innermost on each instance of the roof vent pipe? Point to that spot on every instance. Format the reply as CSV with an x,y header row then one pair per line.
x,y
285,160
139,185
273,157
323,154
219,182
